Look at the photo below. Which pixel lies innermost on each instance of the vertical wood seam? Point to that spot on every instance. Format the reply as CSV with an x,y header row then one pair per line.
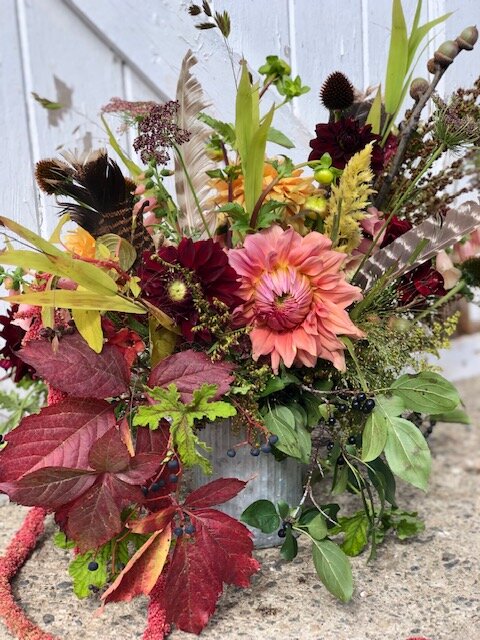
x,y
292,38
32,130
365,45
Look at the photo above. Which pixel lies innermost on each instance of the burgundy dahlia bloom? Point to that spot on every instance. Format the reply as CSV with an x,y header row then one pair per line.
x,y
342,140
13,336
422,282
395,228
174,277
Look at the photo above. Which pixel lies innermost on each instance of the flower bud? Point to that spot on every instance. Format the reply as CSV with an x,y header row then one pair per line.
x,y
324,176
446,53
467,39
431,66
317,204
418,87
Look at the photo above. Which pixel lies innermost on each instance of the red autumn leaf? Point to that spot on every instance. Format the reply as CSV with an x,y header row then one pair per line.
x,y
216,492
189,370
59,436
148,441
76,369
154,522
143,569
50,487
109,453
220,551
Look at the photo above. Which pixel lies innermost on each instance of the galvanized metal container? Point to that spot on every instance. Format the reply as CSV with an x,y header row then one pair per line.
x,y
268,479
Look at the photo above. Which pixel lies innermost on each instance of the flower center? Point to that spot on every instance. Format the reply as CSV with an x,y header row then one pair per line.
x,y
283,299
177,291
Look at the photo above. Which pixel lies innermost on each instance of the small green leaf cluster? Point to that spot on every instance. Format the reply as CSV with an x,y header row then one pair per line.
x,y
182,416
27,398
278,72
331,563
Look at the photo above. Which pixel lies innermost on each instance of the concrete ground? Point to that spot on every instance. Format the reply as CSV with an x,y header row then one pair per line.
x,y
428,586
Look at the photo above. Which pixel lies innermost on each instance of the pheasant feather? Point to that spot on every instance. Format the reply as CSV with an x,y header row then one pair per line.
x,y
191,102
427,239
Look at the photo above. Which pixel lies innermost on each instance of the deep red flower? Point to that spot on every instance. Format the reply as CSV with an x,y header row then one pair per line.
x,y
342,140
201,265
394,230
13,336
422,282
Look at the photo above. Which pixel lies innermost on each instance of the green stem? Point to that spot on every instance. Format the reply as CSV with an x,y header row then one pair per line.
x,y
441,301
192,190
349,345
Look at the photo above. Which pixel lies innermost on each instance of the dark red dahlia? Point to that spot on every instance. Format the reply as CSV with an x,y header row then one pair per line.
x,y
396,228
342,140
422,282
174,277
13,336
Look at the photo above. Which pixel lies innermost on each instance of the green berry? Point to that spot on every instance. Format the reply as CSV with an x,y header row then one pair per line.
x,y
324,176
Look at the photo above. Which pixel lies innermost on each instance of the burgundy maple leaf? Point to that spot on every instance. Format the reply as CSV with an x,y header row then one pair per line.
x,y
76,369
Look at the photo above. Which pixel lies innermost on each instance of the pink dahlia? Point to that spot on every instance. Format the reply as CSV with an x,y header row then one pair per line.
x,y
295,297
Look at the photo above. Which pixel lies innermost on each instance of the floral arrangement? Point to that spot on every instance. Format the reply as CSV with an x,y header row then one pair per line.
x,y
295,304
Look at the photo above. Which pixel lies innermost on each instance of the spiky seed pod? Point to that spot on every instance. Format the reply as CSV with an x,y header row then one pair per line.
x,y
468,38
51,173
418,87
337,92
431,66
446,53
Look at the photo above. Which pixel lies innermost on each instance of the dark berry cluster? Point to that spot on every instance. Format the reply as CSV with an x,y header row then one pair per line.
x,y
49,333
256,450
282,532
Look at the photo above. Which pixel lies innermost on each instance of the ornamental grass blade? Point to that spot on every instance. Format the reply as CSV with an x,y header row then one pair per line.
x,y
63,299
375,114
418,33
397,66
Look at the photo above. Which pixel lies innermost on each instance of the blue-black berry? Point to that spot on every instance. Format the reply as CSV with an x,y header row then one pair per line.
x,y
173,464
144,491
273,439
340,460
330,445
282,533
331,421
266,448
92,566
231,453
352,440
254,451
156,486
342,408
355,405
361,397
1,438
190,528
173,478
369,405
178,531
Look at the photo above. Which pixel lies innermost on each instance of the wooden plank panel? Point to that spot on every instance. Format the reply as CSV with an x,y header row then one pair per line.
x,y
69,64
17,195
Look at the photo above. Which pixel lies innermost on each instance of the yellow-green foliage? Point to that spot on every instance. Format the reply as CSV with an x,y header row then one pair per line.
x,y
349,200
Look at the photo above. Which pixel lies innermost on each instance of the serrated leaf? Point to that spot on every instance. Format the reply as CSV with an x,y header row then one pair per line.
x,y
261,515
407,453
427,392
333,569
83,578
104,374
215,492
142,570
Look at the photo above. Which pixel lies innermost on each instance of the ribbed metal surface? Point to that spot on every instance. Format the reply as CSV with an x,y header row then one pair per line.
x,y
268,479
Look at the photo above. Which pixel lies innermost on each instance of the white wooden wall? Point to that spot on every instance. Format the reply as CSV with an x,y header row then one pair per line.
x,y
82,52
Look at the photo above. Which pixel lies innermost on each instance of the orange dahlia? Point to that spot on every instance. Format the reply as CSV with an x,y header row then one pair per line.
x,y
295,297
293,190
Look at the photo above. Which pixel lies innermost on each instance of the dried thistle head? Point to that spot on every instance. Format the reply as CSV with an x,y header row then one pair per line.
x,y
337,92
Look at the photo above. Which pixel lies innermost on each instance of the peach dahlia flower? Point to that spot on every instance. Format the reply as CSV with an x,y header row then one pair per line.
x,y
295,297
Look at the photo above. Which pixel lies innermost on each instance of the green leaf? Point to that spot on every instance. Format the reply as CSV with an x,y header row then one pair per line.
x,y
64,299
46,103
407,453
182,417
224,129
283,509
315,526
89,325
419,33
119,247
355,530
134,169
397,65
269,213
289,548
277,137
340,480
293,440
426,392
83,578
261,515
61,541
408,525
333,568
254,161
375,113
374,434
456,416
380,473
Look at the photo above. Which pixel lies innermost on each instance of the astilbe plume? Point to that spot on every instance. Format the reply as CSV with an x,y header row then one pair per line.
x,y
158,132
295,297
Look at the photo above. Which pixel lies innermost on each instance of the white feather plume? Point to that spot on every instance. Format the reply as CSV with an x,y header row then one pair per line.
x,y
438,233
192,101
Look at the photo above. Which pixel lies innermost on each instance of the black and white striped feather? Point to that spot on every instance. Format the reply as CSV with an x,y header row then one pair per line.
x,y
437,233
